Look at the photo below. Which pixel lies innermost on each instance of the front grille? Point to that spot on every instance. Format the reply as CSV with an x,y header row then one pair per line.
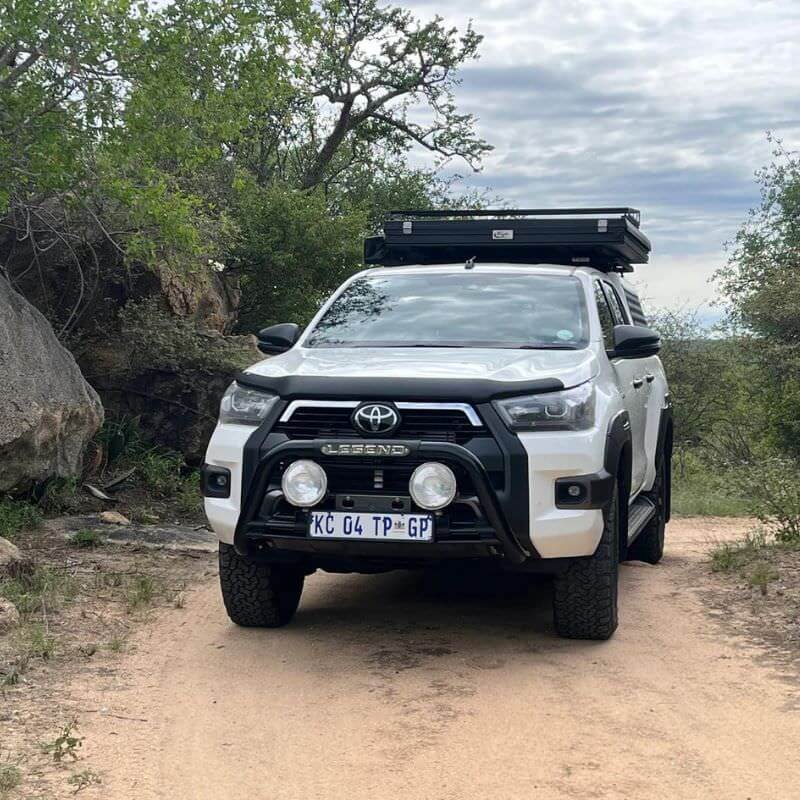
x,y
431,425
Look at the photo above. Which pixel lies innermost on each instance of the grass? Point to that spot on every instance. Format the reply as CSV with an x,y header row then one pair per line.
x,y
751,559
10,778
17,516
60,496
37,642
699,490
140,591
80,780
137,590
42,589
87,538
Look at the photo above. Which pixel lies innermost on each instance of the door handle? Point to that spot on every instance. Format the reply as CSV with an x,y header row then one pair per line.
x,y
637,383
649,377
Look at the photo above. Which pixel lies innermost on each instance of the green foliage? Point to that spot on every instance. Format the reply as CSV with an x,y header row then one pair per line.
x,y
292,253
80,780
17,516
772,484
42,588
66,744
140,591
701,487
156,339
60,496
762,285
87,538
751,559
38,643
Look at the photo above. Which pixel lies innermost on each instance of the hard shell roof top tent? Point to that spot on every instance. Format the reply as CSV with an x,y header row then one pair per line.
x,y
608,239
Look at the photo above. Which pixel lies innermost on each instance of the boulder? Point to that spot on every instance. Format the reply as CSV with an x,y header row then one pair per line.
x,y
9,616
48,412
9,556
114,518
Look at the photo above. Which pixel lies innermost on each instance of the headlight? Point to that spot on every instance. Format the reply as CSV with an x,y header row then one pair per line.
x,y
304,483
244,406
570,410
433,486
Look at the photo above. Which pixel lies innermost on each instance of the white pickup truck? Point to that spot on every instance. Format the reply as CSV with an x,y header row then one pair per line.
x,y
492,393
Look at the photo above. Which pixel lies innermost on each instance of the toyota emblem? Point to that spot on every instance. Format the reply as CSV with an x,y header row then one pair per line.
x,y
373,418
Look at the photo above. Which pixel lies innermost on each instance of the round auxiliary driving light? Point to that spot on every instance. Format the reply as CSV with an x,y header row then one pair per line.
x,y
433,486
304,483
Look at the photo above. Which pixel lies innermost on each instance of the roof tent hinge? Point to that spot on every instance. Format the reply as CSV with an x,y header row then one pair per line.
x,y
408,227
602,226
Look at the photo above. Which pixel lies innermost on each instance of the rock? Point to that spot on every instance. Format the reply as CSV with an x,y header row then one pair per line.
x,y
114,518
9,555
9,616
48,412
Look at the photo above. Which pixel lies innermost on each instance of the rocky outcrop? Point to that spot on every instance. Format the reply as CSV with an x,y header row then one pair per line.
x,y
48,412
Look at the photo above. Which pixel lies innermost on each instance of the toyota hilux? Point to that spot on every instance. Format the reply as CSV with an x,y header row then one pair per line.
x,y
490,393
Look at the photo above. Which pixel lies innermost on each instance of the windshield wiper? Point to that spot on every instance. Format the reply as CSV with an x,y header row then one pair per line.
x,y
547,347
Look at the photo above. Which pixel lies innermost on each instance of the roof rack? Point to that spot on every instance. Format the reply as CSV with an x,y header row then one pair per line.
x,y
604,238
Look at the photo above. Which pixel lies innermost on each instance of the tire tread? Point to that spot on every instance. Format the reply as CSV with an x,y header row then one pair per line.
x,y
257,595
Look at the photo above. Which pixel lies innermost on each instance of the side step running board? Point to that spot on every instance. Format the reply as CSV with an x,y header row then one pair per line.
x,y
640,512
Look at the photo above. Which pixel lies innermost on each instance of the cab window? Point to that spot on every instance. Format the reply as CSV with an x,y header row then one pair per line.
x,y
606,317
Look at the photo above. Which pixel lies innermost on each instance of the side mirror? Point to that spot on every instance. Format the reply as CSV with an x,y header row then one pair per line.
x,y
635,341
278,338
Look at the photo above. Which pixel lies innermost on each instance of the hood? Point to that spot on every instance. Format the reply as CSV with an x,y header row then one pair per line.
x,y
571,367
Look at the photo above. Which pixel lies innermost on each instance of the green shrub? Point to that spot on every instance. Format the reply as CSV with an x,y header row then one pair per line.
x,y
60,496
772,485
87,538
10,778
16,516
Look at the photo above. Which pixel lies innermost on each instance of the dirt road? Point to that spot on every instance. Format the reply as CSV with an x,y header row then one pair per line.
x,y
381,689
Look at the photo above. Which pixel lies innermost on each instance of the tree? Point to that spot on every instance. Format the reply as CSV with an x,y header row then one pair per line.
x,y
363,68
762,284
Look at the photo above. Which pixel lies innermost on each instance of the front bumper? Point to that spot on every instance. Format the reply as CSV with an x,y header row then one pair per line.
x,y
257,527
513,478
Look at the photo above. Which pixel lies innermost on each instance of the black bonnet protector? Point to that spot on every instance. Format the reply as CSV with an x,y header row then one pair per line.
x,y
474,390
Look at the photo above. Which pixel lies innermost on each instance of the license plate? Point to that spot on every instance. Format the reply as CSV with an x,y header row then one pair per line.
x,y
371,526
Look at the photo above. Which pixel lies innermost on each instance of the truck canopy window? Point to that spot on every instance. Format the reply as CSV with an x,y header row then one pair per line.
x,y
466,309
615,304
606,317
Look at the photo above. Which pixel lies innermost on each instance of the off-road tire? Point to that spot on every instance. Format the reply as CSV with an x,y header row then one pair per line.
x,y
585,594
649,544
258,595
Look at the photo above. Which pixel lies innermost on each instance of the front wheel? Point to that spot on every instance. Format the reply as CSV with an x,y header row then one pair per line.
x,y
258,595
585,594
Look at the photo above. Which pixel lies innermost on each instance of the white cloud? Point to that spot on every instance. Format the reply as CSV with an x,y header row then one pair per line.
x,y
662,106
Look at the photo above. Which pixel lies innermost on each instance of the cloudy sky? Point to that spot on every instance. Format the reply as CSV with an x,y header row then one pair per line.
x,y
659,104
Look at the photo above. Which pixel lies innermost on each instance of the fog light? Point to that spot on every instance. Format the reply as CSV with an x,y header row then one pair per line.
x,y
215,481
304,483
570,492
433,486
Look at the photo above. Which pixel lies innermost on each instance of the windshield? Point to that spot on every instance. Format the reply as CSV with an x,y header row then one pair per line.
x,y
466,309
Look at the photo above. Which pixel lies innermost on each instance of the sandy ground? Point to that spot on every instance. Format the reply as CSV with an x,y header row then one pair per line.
x,y
382,688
